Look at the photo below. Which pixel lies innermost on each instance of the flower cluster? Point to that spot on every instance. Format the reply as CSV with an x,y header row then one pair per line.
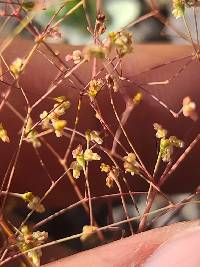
x,y
189,108
178,8
88,230
76,57
16,67
34,202
105,167
51,120
3,134
94,87
112,174
81,158
27,240
137,98
93,136
167,144
121,41
130,164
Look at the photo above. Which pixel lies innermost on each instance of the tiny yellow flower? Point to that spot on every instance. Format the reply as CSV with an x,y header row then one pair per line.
x,y
137,98
160,131
88,230
33,202
27,240
59,126
94,87
178,8
93,136
105,168
77,56
121,41
16,67
130,164
3,134
189,109
109,181
89,155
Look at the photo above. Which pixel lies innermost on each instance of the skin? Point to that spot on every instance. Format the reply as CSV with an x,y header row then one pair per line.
x,y
134,250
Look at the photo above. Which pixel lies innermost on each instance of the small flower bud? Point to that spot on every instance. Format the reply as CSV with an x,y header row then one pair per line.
x,y
33,202
189,109
96,138
59,126
160,131
130,164
76,168
3,134
109,181
89,155
178,8
137,98
16,67
77,56
88,230
105,168
94,87
121,41
27,240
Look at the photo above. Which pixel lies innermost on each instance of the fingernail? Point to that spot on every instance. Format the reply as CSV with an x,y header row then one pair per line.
x,y
181,250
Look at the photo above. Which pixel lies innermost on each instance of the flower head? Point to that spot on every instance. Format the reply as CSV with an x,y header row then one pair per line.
x,y
16,67
27,240
94,87
109,181
121,41
76,57
52,120
93,136
89,155
59,126
76,169
34,202
167,144
189,108
137,98
130,164
81,158
88,230
105,168
3,134
160,131
178,8
112,174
